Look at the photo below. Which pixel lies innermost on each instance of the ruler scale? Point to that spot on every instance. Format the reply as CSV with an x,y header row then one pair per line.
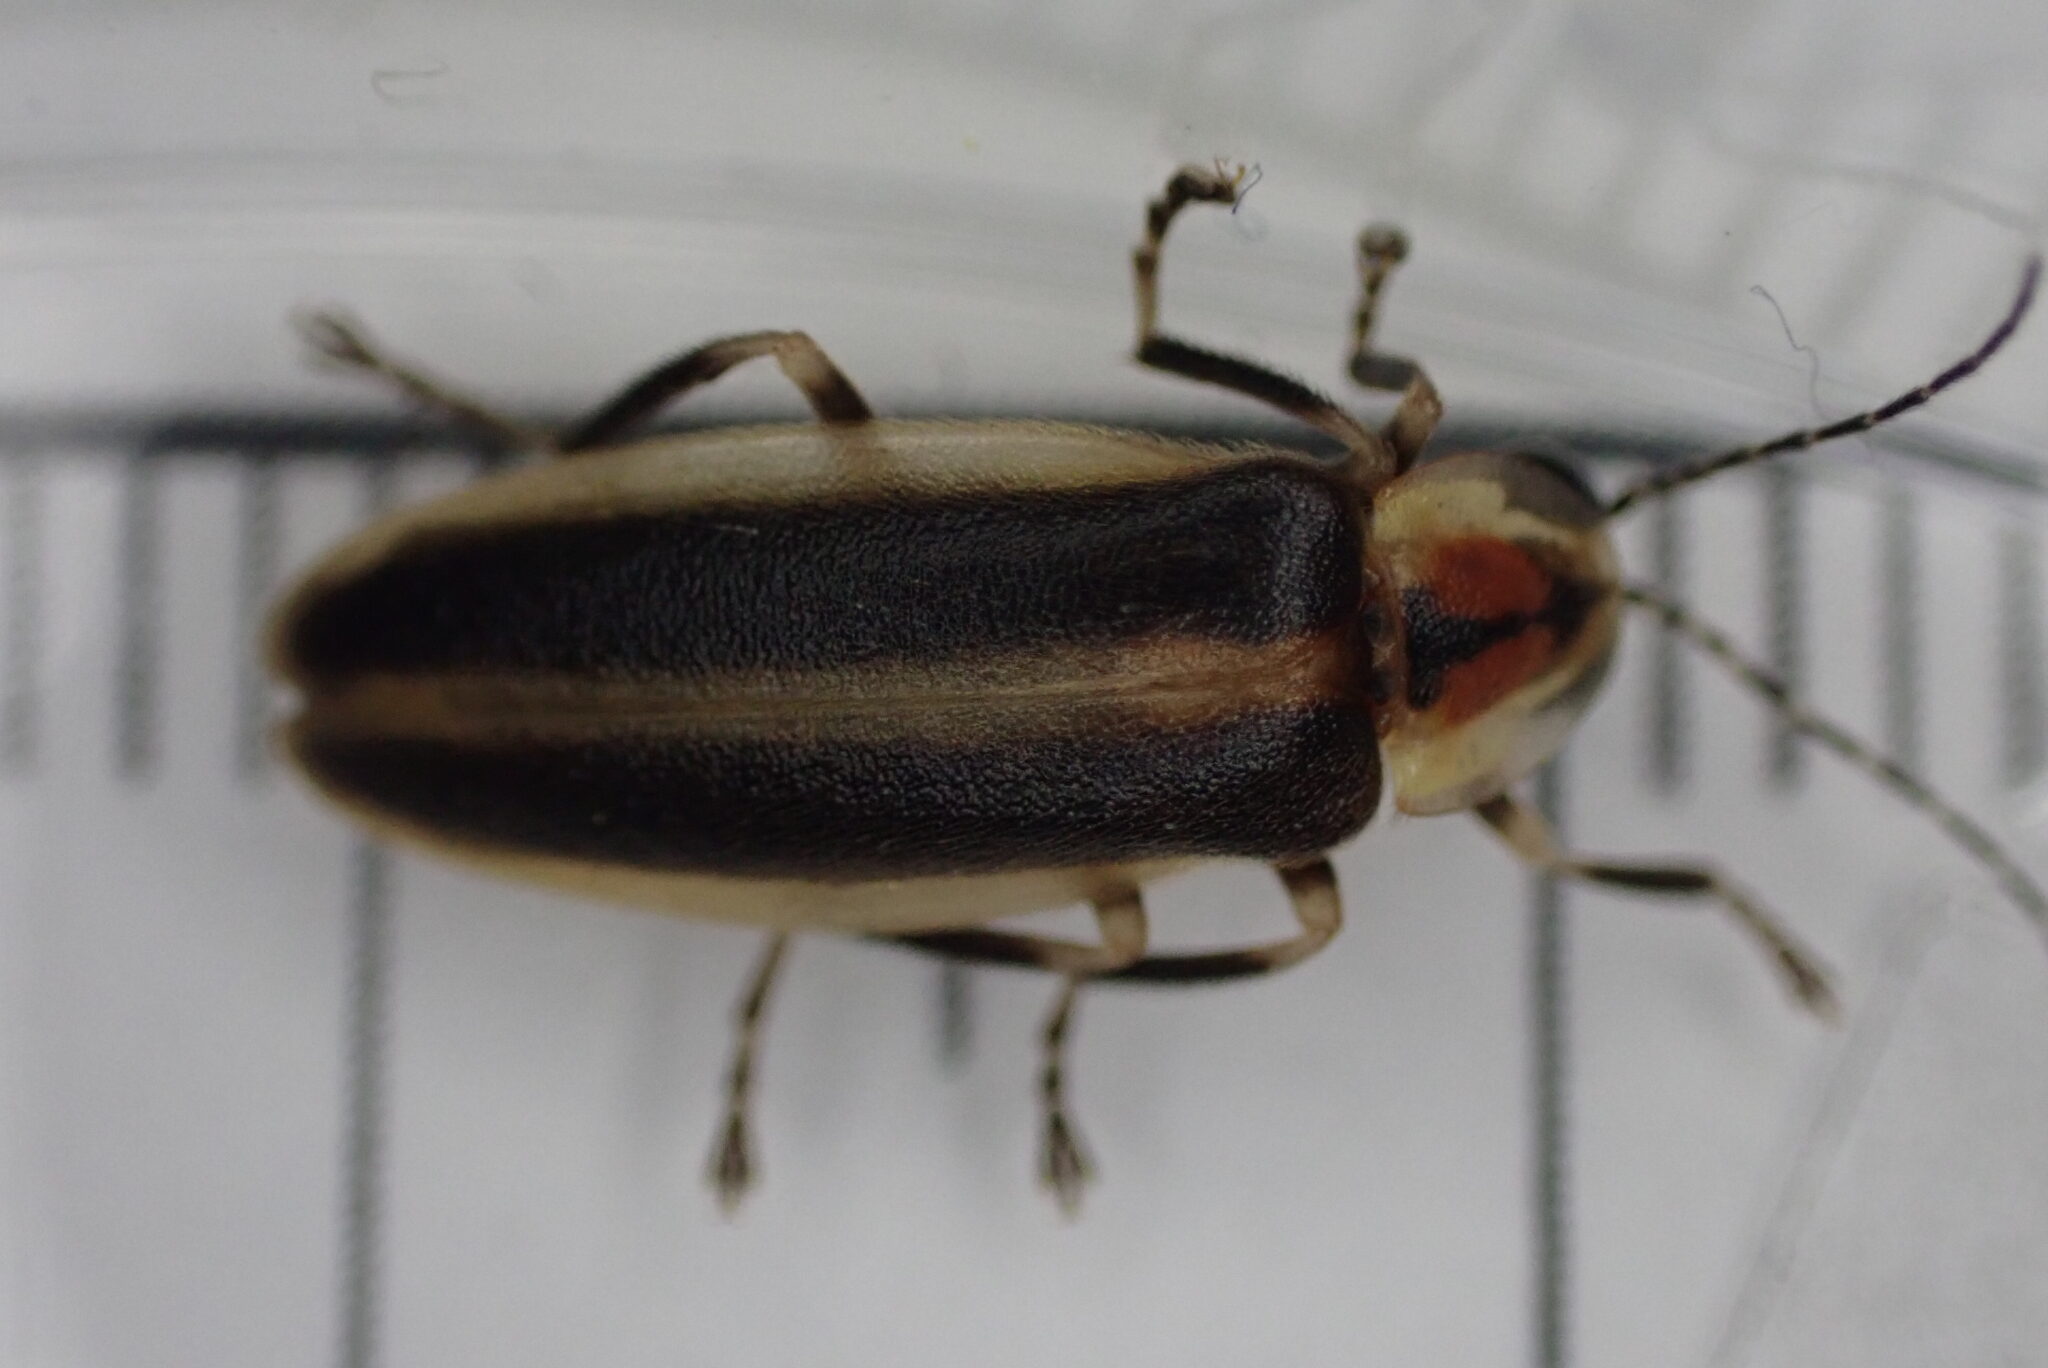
x,y
264,454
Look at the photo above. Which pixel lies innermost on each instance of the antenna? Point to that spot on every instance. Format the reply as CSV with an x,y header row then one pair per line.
x,y
1664,481
1960,828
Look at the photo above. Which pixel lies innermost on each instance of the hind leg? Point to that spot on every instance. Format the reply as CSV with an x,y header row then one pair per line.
x,y
343,342
831,395
1064,1168
732,1170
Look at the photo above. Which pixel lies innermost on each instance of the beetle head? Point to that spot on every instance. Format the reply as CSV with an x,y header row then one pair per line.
x,y
1501,586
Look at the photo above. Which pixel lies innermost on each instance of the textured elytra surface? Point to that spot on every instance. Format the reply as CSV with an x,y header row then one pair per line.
x,y
833,803
1253,552
866,688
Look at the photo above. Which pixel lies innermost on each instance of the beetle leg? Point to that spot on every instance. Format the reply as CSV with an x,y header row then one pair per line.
x,y
1311,891
1371,462
832,396
732,1158
1382,247
1063,1165
1020,951
1064,1168
343,342
1530,836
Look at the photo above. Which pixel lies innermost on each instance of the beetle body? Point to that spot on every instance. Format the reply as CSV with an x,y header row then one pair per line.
x,y
886,679
902,679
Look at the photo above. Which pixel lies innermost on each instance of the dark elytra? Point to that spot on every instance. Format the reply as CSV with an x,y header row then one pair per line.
x,y
1260,552
1252,551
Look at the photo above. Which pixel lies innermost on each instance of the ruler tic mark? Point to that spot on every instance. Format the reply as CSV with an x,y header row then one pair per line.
x,y
1899,606
1785,625
257,554
2023,699
21,620
1550,1092
138,640
364,1080
1668,753
366,1047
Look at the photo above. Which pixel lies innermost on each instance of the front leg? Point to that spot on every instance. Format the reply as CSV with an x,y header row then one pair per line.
x,y
1371,461
1382,247
1530,837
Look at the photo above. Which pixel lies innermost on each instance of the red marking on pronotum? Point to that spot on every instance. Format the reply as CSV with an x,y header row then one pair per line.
x,y
1487,578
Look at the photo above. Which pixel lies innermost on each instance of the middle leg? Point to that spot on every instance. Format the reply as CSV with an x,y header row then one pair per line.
x,y
1064,1168
731,1170
1311,893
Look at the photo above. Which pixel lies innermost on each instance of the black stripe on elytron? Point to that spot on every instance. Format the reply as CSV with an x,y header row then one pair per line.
x,y
1269,784
1439,642
1253,551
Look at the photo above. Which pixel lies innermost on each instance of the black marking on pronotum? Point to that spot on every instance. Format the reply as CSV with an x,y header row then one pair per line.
x,y
1439,641
1251,552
